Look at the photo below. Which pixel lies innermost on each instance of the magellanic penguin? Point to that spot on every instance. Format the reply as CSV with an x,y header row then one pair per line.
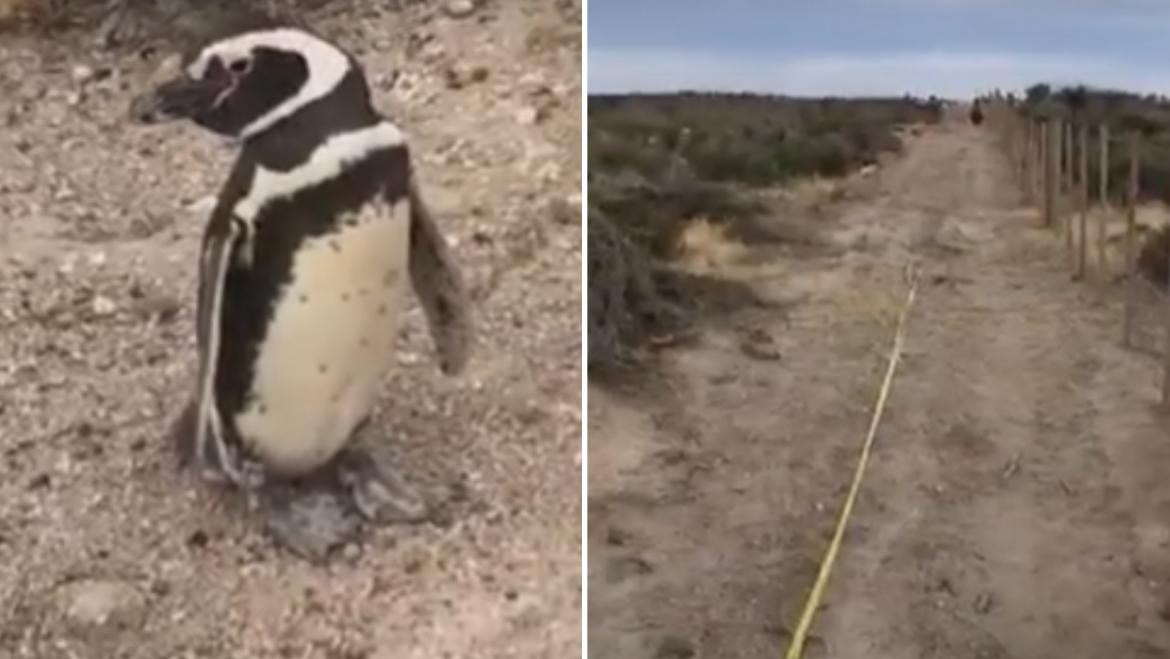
x,y
304,260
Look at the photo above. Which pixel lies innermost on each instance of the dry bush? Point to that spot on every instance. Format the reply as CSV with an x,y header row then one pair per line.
x,y
755,140
706,244
1154,259
667,174
625,304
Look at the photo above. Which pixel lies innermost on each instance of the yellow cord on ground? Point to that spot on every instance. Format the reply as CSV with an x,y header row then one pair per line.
x,y
796,648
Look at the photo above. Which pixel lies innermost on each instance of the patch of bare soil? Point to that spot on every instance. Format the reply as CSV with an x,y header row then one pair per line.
x,y
1016,505
105,550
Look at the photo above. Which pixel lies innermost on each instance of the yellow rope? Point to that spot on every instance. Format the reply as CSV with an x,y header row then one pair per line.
x,y
796,648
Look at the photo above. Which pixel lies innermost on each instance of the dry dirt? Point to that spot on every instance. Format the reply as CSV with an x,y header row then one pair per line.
x,y
1017,505
105,551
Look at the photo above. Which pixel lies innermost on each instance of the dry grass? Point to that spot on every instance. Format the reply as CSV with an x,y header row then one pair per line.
x,y
1150,221
706,245
1154,259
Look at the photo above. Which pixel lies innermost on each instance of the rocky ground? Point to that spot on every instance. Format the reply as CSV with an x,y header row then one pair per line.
x,y
107,551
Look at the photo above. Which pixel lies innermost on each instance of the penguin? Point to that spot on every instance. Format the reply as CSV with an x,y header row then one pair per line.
x,y
302,272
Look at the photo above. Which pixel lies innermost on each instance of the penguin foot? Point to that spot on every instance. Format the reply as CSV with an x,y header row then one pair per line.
x,y
312,524
316,515
379,492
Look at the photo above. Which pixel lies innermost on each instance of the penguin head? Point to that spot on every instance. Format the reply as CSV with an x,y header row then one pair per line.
x,y
244,85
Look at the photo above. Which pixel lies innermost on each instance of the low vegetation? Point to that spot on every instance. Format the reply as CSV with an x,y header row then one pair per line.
x,y
658,161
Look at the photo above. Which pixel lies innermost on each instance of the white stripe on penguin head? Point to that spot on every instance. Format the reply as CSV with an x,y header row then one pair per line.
x,y
327,67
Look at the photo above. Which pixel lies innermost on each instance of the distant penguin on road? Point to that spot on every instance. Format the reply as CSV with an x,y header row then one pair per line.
x,y
303,267
976,113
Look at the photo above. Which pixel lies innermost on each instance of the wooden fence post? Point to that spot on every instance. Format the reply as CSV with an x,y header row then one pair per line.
x,y
1103,195
1064,217
1131,195
1025,136
1029,155
1166,342
1051,162
1042,158
1103,192
1028,179
1082,192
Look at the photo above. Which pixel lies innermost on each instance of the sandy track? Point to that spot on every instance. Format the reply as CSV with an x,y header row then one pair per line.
x,y
1015,506
104,550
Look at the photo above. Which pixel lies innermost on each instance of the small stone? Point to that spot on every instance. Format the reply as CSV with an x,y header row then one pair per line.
x,y
675,647
983,603
103,306
565,211
83,73
459,8
105,603
527,116
616,537
198,538
160,588
760,351
458,77
620,569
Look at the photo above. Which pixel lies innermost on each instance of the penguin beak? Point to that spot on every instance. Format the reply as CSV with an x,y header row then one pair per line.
x,y
181,98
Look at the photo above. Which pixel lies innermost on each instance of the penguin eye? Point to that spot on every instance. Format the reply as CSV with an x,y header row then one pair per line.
x,y
240,66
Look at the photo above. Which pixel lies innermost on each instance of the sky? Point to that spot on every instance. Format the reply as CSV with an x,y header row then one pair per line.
x,y
950,48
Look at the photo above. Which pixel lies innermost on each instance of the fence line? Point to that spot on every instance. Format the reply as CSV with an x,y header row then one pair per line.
x,y
1044,151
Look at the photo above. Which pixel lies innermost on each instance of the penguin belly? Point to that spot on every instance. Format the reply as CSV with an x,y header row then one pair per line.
x,y
329,342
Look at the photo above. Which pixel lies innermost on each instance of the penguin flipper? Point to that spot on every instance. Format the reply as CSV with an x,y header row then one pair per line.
x,y
439,285
209,445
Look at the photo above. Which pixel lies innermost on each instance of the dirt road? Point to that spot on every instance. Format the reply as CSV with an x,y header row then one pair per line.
x,y
1017,505
106,551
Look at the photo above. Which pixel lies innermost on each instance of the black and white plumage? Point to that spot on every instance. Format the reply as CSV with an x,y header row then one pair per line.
x,y
304,261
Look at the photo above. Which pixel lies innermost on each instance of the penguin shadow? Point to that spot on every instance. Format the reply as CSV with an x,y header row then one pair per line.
x,y
316,517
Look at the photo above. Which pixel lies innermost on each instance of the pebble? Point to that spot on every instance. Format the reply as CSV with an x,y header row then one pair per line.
x,y
458,77
68,264
98,603
526,116
565,211
83,73
460,8
103,306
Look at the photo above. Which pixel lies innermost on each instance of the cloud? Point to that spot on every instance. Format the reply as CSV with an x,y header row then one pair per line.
x,y
947,74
